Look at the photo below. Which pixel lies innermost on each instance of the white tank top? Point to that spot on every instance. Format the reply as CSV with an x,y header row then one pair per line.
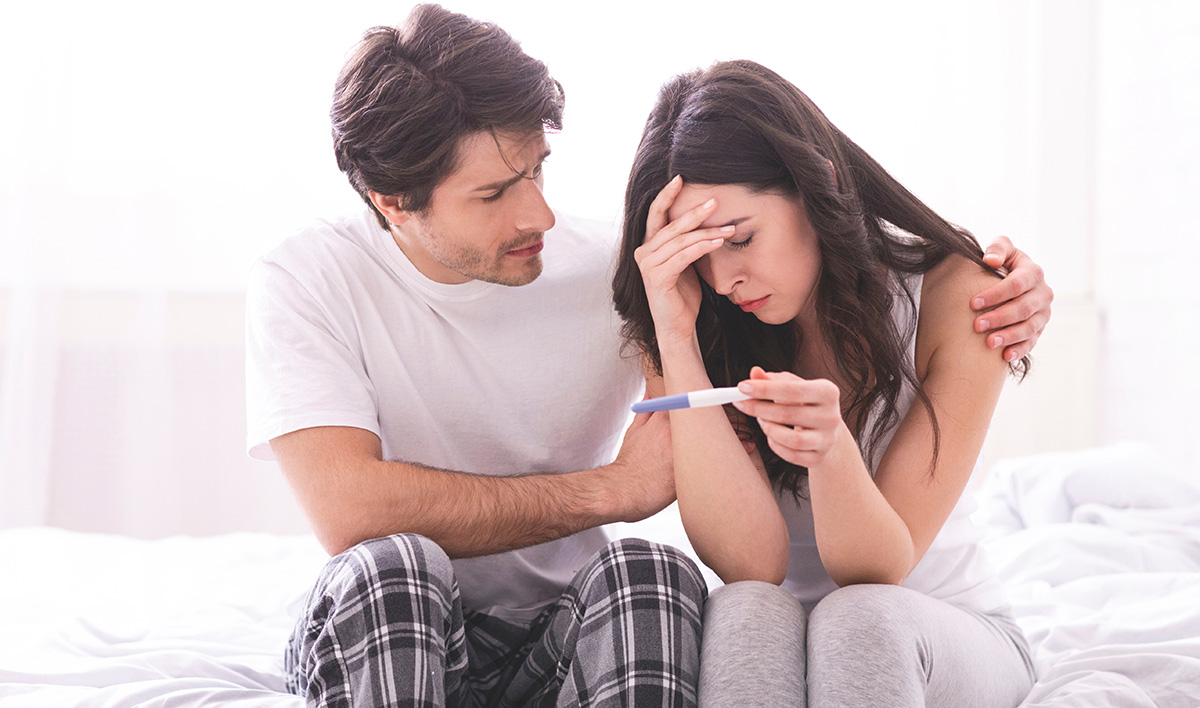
x,y
953,569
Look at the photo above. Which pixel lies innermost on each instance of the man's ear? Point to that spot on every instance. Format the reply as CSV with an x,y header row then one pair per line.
x,y
389,206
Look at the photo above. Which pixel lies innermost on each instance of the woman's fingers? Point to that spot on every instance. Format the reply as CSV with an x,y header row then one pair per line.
x,y
809,416
663,230
788,388
804,448
799,439
650,257
656,219
800,417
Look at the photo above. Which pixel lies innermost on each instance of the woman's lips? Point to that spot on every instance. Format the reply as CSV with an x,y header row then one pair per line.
x,y
528,250
752,305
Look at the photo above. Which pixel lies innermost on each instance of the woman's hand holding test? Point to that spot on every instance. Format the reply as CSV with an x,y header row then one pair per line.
x,y
801,418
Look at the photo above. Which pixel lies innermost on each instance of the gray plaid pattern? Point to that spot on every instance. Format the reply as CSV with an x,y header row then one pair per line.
x,y
384,627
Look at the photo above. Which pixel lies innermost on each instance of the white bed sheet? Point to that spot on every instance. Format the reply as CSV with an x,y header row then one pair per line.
x,y
1100,551
98,620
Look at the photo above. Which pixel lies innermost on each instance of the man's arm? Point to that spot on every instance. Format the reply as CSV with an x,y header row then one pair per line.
x,y
350,494
1021,301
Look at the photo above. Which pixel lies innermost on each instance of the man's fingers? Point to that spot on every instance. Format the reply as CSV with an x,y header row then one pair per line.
x,y
998,251
1010,313
1016,351
1032,305
1028,279
1025,331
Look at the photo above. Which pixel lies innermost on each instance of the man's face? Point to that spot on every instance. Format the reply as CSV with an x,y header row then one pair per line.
x,y
486,221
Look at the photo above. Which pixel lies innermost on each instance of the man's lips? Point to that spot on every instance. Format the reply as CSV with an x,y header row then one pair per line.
x,y
528,250
752,305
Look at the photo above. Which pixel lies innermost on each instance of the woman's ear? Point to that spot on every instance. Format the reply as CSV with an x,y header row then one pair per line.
x,y
389,206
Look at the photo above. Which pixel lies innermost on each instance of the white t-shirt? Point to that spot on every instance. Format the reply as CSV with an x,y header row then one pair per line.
x,y
953,569
342,330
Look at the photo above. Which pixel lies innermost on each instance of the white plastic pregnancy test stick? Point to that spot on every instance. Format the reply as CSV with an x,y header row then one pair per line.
x,y
692,399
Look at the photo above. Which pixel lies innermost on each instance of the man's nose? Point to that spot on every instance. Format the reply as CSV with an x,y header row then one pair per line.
x,y
535,214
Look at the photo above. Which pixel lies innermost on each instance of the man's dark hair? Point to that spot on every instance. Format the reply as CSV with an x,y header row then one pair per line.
x,y
409,94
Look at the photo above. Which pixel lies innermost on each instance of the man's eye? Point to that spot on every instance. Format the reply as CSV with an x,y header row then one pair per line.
x,y
494,197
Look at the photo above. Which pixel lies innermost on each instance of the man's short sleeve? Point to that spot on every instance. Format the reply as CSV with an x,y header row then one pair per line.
x,y
302,370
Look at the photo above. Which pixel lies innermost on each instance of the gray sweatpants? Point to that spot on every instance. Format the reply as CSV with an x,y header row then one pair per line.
x,y
863,645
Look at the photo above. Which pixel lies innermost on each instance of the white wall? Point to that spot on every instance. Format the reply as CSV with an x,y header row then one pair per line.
x,y
147,156
1147,242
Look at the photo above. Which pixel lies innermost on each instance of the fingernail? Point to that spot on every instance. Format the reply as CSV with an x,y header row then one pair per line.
x,y
983,326
709,203
1011,356
977,303
996,341
728,229
717,241
676,179
744,387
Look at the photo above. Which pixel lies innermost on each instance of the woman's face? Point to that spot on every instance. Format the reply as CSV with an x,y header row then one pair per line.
x,y
771,264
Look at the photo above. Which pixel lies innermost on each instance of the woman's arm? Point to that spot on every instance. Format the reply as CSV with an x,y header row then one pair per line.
x,y
725,500
877,530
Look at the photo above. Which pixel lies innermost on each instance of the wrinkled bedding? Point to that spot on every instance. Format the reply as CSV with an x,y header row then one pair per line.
x,y
1099,549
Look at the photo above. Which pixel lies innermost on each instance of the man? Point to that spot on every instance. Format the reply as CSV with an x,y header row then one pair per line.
x,y
442,384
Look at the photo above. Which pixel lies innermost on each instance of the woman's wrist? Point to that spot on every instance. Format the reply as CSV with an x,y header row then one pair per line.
x,y
843,453
676,346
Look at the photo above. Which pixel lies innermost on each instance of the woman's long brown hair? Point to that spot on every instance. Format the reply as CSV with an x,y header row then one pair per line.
x,y
741,123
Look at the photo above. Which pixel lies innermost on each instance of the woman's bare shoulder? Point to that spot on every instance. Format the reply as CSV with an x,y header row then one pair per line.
x,y
946,315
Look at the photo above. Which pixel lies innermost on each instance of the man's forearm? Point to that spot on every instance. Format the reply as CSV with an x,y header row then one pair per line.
x,y
473,515
466,514
350,495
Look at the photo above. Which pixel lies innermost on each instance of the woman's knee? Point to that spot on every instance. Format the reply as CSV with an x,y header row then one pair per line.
x,y
866,618
735,603
753,652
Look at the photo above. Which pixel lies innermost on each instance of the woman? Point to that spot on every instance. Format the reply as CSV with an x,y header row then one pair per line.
x,y
781,259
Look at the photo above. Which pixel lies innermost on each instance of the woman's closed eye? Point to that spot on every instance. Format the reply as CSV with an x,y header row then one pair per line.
x,y
742,243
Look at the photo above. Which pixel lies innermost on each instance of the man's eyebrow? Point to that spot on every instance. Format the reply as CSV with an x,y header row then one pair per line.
x,y
506,183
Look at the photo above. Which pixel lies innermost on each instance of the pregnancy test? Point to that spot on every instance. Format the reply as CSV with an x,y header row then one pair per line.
x,y
692,399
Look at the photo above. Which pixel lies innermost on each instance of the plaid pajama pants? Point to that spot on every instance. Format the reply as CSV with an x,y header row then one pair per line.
x,y
384,627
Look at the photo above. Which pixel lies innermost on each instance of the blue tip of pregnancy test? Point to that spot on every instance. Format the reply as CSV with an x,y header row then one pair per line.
x,y
662,403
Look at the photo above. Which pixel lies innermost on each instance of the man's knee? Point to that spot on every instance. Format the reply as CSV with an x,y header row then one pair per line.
x,y
392,561
647,567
